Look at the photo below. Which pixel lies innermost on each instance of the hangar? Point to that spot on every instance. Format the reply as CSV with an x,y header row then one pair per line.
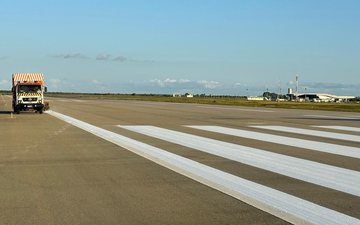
x,y
322,97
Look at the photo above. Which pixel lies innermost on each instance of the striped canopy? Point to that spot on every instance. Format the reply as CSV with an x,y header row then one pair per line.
x,y
28,78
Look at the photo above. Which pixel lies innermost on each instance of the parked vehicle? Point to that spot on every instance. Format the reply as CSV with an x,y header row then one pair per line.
x,y
28,92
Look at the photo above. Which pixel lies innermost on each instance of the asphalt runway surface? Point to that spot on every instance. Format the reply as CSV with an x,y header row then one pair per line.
x,y
132,162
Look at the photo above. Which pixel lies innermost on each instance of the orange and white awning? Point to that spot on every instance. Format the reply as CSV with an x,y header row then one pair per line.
x,y
28,78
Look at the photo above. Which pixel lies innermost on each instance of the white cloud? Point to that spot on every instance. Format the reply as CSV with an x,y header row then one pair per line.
x,y
238,84
168,80
56,83
183,81
331,88
209,84
185,84
71,56
120,59
99,57
104,57
108,57
164,83
2,82
94,81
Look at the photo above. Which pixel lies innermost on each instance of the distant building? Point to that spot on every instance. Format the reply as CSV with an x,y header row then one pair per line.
x,y
187,95
255,98
322,97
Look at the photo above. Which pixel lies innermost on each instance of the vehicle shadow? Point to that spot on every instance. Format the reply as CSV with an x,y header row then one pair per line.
x,y
6,112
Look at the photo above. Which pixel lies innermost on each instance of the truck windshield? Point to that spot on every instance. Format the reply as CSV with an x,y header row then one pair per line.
x,y
29,88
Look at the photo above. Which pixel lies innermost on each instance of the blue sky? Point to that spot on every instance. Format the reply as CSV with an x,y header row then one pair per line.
x,y
163,46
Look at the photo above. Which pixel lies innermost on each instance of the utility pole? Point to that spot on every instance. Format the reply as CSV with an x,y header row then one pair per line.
x,y
279,94
297,86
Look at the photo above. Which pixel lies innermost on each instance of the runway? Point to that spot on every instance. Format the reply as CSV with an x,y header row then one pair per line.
x,y
132,162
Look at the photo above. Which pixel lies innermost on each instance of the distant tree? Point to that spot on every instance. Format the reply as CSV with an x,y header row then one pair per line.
x,y
267,94
357,99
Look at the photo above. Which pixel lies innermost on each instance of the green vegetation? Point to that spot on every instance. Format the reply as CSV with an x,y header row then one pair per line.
x,y
215,100
5,92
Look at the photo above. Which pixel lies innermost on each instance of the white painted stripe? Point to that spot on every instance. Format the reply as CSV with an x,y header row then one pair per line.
x,y
346,137
289,141
237,109
290,208
344,128
334,117
337,178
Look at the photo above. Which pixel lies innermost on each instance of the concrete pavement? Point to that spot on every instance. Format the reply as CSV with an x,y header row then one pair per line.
x,y
54,173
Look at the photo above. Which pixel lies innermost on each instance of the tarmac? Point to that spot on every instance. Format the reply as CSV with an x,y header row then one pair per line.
x,y
56,171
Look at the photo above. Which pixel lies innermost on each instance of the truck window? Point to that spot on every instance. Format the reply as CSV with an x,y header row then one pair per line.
x,y
29,88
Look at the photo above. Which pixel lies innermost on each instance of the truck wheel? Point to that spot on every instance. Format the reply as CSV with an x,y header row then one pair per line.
x,y
40,110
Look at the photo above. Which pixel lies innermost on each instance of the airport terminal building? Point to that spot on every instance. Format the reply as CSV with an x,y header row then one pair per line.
x,y
320,97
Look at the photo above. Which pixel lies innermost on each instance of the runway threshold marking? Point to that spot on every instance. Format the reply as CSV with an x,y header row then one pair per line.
x,y
290,208
325,134
344,128
289,141
336,178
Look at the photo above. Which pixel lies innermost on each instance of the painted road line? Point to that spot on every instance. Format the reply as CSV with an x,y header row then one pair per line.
x,y
344,128
289,141
324,134
334,117
290,208
237,109
336,178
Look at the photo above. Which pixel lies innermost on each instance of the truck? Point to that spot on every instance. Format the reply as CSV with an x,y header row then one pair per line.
x,y
28,92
